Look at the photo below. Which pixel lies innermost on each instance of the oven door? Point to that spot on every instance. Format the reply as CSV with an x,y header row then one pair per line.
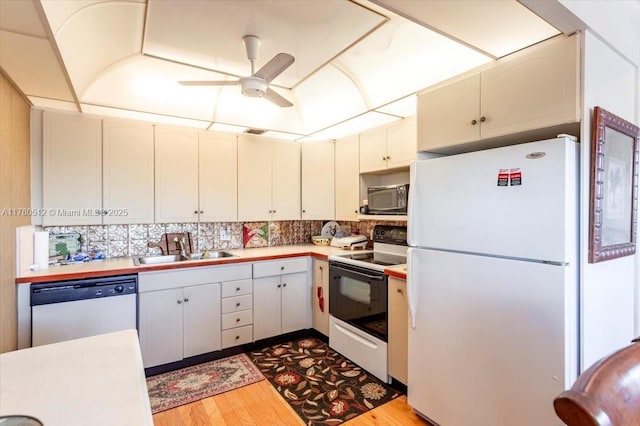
x,y
358,296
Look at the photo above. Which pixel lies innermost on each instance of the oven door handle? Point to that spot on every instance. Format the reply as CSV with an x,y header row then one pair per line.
x,y
372,277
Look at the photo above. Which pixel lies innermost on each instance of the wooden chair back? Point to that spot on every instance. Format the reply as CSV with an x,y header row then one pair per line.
x,y
606,394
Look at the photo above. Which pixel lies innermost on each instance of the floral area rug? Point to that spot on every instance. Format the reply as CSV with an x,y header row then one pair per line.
x,y
322,386
179,387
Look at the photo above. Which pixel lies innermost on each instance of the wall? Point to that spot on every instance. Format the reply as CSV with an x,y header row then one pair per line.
x,y
608,288
610,291
14,193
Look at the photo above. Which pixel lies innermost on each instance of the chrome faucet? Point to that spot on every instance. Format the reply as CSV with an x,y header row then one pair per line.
x,y
180,241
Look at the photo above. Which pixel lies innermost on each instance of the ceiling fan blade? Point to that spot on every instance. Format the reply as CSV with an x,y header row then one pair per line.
x,y
210,83
277,99
275,66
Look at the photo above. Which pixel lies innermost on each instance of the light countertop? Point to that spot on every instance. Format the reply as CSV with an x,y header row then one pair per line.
x,y
97,381
119,266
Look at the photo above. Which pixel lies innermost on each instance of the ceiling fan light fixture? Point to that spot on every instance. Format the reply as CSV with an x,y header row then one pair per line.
x,y
254,87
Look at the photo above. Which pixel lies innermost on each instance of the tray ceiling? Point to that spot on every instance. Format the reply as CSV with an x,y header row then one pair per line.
x,y
125,57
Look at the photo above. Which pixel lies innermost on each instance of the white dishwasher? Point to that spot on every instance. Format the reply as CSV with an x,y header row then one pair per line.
x,y
70,309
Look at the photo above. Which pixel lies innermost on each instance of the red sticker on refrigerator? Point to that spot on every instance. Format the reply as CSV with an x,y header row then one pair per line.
x,y
515,177
503,177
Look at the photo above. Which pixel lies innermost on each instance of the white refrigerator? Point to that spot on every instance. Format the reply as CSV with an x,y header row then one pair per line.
x,y
493,284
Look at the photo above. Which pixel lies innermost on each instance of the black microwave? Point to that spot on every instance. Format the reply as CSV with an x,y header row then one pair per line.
x,y
389,199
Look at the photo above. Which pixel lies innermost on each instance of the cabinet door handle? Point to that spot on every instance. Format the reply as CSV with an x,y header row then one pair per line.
x,y
186,299
474,122
399,290
279,286
483,119
179,302
201,211
195,212
304,211
284,285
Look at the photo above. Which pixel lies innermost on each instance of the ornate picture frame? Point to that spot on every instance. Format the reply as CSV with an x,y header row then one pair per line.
x,y
615,145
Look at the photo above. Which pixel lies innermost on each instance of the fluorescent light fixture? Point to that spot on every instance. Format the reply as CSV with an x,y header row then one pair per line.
x,y
404,107
144,116
52,103
282,135
353,126
229,128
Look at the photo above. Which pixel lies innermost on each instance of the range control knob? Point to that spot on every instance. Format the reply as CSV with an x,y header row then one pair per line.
x,y
118,289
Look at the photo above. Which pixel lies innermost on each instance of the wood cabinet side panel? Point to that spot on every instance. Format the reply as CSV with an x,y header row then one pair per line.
x,y
398,330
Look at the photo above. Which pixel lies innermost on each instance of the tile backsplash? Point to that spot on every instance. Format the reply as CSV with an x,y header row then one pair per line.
x,y
131,240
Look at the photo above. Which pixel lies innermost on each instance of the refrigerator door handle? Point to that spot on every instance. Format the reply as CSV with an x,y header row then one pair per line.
x,y
410,288
413,189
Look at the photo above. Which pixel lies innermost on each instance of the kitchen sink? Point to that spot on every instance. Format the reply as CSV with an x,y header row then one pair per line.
x,y
218,255
155,260
172,258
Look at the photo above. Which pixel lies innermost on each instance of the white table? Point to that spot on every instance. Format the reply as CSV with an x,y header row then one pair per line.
x,y
93,381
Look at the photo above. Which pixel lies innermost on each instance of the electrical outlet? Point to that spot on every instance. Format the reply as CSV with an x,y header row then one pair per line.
x,y
225,235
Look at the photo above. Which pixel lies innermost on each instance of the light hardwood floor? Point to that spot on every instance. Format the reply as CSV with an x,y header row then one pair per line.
x,y
260,404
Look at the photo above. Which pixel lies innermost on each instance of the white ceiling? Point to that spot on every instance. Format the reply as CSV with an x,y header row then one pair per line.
x,y
353,59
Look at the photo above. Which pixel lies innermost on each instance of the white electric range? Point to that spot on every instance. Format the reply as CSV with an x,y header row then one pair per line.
x,y
358,297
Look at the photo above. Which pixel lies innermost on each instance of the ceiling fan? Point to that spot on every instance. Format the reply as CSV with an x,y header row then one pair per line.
x,y
257,84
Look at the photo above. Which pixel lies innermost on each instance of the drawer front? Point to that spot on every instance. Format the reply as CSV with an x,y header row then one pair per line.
x,y
237,336
237,303
279,267
237,319
237,288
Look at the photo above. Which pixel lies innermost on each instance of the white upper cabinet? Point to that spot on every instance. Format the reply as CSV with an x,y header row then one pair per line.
x,y
389,147
537,88
285,175
268,179
71,169
127,182
218,177
176,166
318,181
347,184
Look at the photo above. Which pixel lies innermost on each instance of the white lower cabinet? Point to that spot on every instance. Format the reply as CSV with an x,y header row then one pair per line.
x,y
237,313
281,302
180,311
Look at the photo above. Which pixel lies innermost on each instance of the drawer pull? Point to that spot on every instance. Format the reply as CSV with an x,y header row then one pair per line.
x,y
179,302
237,337
237,304
237,288
237,319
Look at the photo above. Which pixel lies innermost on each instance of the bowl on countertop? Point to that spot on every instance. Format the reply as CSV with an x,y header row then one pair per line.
x,y
321,240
